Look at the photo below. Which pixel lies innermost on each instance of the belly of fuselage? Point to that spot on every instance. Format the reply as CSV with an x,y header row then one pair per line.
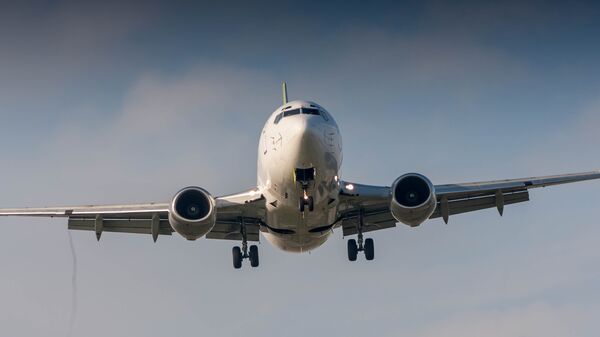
x,y
295,231
296,244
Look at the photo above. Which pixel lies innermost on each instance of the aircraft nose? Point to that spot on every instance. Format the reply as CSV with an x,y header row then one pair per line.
x,y
310,133
306,144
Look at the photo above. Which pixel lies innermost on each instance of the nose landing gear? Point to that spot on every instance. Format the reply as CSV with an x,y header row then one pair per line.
x,y
239,254
306,201
304,177
368,246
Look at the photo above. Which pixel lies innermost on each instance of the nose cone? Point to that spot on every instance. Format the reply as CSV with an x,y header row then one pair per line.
x,y
310,133
307,139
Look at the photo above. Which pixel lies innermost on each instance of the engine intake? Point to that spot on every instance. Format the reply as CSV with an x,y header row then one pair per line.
x,y
413,199
192,213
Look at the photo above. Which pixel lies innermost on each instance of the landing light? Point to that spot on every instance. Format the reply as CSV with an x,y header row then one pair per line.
x,y
350,187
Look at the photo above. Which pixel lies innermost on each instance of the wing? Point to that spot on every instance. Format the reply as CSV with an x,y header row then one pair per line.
x,y
452,198
153,218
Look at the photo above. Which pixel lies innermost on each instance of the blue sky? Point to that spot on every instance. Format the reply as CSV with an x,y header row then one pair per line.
x,y
128,102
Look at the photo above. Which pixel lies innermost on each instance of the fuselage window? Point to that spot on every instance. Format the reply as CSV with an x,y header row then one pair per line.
x,y
291,112
278,118
324,114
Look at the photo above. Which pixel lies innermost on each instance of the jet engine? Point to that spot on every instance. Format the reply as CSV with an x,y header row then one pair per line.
x,y
192,213
413,199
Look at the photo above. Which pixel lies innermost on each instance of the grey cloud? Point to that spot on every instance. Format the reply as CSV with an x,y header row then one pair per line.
x,y
188,126
572,145
47,49
537,319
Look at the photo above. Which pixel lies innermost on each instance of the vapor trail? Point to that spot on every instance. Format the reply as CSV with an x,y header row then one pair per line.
x,y
73,287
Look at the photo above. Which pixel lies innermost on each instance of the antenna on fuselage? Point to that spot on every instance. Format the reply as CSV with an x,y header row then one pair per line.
x,y
284,92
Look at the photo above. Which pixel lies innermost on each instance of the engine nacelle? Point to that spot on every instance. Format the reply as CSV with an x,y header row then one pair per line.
x,y
413,199
192,213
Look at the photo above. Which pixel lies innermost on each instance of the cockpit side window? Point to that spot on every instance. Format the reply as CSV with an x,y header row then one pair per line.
x,y
278,118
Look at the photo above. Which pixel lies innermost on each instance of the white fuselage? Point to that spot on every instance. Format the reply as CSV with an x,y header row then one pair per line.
x,y
304,141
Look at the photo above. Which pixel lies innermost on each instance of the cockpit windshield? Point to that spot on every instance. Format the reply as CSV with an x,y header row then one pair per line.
x,y
291,112
304,111
309,111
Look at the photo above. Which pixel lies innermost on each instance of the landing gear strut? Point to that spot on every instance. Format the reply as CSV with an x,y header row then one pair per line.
x,y
367,246
239,254
305,200
304,177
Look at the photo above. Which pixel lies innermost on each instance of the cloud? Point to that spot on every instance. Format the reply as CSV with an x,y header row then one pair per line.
x,y
178,130
46,49
532,320
205,94
571,145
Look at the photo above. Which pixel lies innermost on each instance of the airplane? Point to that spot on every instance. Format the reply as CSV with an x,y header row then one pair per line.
x,y
300,198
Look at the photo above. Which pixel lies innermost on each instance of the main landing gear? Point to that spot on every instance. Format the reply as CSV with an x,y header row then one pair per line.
x,y
239,254
367,246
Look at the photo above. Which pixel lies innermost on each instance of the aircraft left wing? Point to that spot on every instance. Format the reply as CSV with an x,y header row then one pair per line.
x,y
153,218
451,199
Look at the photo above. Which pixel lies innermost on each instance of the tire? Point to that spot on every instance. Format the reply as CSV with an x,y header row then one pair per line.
x,y
237,257
352,250
301,205
311,204
369,249
253,256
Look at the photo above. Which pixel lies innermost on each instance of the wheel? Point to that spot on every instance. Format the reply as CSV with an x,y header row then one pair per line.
x,y
237,257
369,249
352,250
301,205
311,204
253,254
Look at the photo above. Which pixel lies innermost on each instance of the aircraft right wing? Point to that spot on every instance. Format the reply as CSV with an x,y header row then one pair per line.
x,y
451,198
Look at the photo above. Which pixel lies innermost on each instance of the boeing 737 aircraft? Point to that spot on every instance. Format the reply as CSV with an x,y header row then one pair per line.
x,y
300,198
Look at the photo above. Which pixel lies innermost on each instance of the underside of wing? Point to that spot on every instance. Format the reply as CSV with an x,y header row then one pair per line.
x,y
468,197
475,189
370,202
150,218
373,202
235,213
239,212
